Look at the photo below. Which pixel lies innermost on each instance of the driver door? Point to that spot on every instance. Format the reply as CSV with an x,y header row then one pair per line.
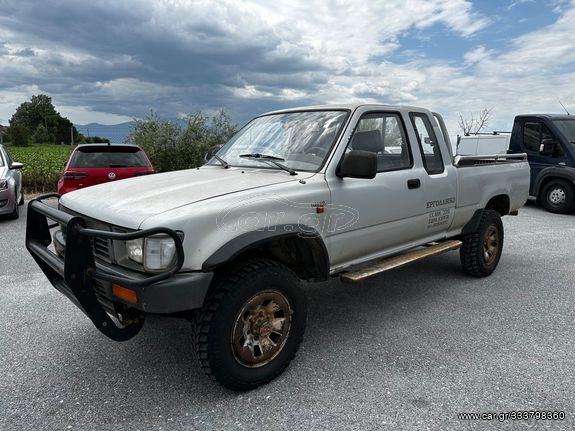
x,y
389,206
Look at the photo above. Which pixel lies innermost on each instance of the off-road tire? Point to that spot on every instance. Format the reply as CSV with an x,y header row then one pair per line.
x,y
213,325
558,196
473,253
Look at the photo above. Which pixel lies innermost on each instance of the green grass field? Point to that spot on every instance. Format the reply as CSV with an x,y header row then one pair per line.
x,y
42,165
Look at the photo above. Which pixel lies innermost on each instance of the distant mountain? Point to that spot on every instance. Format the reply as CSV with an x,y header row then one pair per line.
x,y
116,133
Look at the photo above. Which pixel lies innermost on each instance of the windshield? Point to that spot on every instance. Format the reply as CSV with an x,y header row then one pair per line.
x,y
300,140
567,128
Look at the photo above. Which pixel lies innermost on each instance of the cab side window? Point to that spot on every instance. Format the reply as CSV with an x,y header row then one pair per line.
x,y
534,134
428,144
382,133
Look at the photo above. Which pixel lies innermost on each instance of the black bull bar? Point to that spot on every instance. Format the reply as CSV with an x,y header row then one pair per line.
x,y
73,276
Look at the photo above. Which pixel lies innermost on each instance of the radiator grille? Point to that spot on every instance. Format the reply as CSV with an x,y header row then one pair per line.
x,y
101,247
104,295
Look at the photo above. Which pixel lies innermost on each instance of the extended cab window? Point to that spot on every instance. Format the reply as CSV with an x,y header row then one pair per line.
x,y
382,133
534,134
428,144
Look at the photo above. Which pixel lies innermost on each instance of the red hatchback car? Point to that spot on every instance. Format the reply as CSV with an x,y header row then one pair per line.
x,y
92,164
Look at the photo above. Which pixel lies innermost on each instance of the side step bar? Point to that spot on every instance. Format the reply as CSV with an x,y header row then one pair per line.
x,y
397,261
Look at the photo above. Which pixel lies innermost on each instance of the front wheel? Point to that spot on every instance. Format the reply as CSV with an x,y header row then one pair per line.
x,y
481,250
558,196
251,325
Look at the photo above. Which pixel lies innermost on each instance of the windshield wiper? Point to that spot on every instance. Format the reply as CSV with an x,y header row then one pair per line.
x,y
225,164
271,159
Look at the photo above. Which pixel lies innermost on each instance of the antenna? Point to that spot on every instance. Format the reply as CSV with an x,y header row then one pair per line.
x,y
563,107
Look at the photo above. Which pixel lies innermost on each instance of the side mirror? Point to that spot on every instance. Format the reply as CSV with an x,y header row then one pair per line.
x,y
548,147
211,153
16,165
358,164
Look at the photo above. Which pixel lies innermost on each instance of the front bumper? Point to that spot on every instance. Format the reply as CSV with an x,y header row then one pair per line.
x,y
88,283
7,200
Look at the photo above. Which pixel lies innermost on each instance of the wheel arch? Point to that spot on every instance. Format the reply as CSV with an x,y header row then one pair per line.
x,y
552,173
301,249
500,203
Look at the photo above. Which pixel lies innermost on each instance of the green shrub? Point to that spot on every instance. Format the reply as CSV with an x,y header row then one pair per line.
x,y
42,136
172,147
19,136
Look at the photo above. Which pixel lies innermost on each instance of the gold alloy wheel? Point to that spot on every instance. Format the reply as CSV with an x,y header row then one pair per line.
x,y
491,244
261,328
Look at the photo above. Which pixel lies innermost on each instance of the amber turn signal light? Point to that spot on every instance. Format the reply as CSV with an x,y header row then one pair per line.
x,y
123,293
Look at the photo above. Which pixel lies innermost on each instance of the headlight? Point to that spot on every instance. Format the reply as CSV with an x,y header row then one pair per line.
x,y
155,253
159,253
135,247
3,184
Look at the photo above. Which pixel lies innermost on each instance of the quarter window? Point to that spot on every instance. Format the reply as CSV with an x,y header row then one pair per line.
x,y
382,133
428,144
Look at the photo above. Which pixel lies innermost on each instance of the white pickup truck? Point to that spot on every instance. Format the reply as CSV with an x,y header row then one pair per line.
x,y
296,195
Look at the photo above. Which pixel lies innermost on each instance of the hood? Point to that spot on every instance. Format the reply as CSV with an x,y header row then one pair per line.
x,y
129,202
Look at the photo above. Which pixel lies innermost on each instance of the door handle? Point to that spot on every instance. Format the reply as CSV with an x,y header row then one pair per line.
x,y
414,183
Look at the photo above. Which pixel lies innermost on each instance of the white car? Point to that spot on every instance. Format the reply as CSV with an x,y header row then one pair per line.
x,y
11,195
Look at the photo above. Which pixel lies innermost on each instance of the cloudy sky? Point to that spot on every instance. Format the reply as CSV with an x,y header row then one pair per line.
x,y
110,61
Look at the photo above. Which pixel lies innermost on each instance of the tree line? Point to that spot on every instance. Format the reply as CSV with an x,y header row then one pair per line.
x,y
37,121
171,145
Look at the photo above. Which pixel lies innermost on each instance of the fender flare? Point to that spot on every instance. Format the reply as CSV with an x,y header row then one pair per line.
x,y
472,225
565,173
250,240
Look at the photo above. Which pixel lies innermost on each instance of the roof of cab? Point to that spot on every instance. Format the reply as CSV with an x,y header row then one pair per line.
x,y
550,116
104,145
348,106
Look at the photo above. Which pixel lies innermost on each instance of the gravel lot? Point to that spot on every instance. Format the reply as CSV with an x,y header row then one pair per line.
x,y
407,350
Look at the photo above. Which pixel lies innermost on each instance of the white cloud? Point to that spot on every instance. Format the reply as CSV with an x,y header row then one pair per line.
x,y
85,115
476,55
518,3
251,56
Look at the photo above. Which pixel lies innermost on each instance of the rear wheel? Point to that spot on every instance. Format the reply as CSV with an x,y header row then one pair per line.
x,y
251,325
481,250
558,196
